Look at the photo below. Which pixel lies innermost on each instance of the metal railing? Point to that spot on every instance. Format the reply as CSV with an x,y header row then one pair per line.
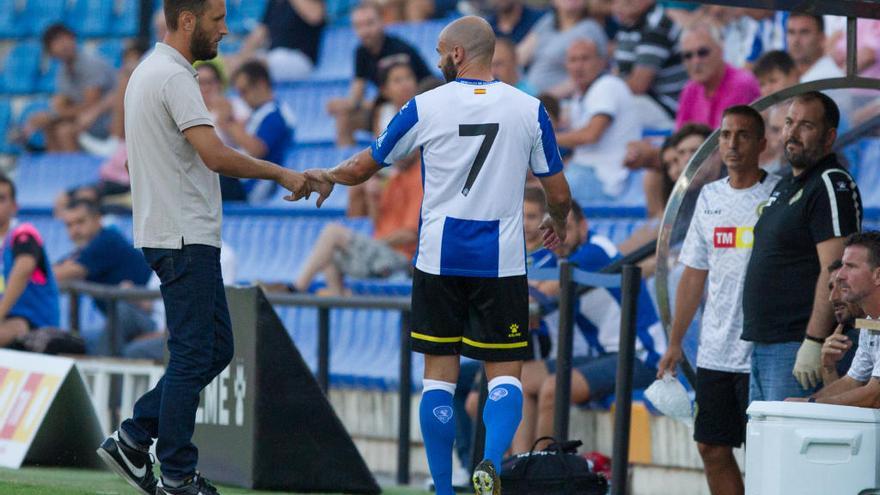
x,y
111,295
573,283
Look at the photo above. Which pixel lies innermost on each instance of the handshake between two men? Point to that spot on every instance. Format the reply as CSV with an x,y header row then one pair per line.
x,y
352,171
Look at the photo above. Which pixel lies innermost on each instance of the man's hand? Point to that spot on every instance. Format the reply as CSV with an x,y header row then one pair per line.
x,y
554,232
296,183
669,361
808,364
638,154
835,346
320,181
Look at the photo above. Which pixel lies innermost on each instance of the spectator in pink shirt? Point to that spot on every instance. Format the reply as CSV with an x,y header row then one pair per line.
x,y
714,85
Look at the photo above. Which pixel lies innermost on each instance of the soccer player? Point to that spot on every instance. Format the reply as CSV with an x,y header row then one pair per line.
x,y
717,249
175,156
478,138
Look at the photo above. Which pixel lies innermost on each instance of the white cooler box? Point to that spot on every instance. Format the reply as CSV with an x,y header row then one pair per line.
x,y
811,449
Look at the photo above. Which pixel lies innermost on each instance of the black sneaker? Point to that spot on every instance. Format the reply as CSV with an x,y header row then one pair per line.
x,y
134,465
197,485
486,481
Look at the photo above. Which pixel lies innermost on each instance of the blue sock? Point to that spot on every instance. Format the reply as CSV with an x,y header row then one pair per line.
x,y
501,415
438,431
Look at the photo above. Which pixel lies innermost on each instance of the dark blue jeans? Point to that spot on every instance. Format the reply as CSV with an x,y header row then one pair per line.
x,y
200,346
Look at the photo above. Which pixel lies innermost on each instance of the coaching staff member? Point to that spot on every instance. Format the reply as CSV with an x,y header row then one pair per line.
x,y
174,159
802,229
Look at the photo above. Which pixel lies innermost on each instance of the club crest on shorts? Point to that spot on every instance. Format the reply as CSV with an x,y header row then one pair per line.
x,y
443,413
498,394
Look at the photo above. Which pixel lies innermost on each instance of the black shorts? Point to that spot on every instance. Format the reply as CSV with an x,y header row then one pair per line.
x,y
722,399
481,318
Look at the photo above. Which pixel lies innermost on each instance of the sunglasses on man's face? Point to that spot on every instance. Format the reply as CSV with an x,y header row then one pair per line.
x,y
699,53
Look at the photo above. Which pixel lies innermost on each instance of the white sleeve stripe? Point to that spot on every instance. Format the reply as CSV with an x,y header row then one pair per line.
x,y
832,199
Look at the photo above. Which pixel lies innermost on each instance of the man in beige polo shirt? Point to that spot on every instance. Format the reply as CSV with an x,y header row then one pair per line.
x,y
175,156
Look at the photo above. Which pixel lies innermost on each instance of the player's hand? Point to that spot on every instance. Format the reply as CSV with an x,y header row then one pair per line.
x,y
808,364
835,347
669,361
296,183
554,232
319,182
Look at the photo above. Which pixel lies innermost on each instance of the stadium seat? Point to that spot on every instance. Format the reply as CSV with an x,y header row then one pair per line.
x,y
12,13
90,18
273,247
126,18
111,51
41,177
336,54
243,15
43,13
5,120
21,67
309,101
46,75
38,140
616,229
867,173
423,36
338,11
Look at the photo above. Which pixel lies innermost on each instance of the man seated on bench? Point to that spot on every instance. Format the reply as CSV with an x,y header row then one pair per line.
x,y
858,281
30,295
597,321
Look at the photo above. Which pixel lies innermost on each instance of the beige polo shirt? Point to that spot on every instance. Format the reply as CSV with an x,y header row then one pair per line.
x,y
175,197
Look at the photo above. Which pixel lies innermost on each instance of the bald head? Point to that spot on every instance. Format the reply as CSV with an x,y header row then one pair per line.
x,y
474,35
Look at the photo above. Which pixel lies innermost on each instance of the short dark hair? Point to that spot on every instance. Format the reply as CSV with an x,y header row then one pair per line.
x,y
173,9
869,240
385,72
255,71
748,112
91,207
4,179
835,265
818,19
55,31
773,60
688,130
830,114
214,67
535,195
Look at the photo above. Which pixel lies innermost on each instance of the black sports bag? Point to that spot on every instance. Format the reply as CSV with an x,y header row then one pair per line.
x,y
556,470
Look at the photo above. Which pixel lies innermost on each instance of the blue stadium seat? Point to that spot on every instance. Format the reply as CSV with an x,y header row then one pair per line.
x,y
5,120
46,75
273,247
336,55
243,15
38,140
126,17
111,50
12,15
43,13
21,68
423,36
867,172
91,18
309,101
616,229
338,11
41,177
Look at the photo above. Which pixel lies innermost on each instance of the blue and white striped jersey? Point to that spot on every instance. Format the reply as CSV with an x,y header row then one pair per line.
x,y
477,139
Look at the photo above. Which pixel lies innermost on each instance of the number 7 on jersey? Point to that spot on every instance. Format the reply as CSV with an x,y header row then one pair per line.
x,y
489,133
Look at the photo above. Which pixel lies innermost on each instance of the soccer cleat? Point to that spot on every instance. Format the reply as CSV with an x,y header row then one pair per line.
x,y
486,480
196,485
135,466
